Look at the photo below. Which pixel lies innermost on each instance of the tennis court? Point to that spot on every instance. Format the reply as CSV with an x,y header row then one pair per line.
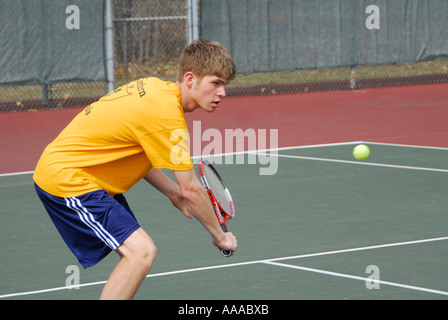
x,y
308,232
322,225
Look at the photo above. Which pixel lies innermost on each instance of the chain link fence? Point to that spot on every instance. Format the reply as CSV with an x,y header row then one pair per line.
x,y
149,36
344,78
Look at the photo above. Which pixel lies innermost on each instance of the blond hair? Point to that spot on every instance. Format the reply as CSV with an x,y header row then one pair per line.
x,y
206,58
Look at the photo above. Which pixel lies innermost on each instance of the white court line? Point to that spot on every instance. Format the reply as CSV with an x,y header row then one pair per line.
x,y
404,145
272,260
278,149
16,173
226,154
275,149
343,275
374,164
380,246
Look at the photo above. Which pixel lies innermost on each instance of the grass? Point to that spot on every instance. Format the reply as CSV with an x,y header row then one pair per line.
x,y
343,73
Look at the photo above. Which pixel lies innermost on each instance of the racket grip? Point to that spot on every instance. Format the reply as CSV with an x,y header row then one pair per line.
x,y
225,253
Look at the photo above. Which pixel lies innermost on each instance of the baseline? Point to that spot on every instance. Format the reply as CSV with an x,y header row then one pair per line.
x,y
272,260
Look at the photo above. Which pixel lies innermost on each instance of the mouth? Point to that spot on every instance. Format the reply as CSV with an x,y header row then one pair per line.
x,y
215,104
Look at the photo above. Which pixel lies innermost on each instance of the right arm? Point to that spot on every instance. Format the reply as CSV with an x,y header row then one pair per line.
x,y
199,205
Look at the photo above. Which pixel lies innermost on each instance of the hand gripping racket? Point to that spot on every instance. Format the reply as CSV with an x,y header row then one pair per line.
x,y
219,196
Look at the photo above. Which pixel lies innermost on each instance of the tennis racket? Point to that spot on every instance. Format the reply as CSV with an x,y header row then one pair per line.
x,y
219,196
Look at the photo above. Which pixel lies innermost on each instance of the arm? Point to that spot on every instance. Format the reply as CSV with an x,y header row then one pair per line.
x,y
165,185
190,196
199,204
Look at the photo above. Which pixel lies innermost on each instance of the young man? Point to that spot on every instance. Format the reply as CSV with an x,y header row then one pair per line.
x,y
130,134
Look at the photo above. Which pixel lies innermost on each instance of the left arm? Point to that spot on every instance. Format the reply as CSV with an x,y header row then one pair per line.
x,y
169,188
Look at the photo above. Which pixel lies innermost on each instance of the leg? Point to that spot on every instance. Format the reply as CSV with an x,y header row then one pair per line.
x,y
138,253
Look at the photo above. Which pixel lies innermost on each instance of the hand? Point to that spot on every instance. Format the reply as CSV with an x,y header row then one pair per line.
x,y
180,203
227,242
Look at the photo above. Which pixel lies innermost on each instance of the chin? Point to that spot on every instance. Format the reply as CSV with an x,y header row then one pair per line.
x,y
209,109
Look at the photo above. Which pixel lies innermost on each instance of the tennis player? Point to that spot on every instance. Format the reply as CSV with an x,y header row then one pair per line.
x,y
128,135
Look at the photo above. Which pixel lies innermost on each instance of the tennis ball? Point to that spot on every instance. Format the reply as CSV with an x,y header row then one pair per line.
x,y
361,152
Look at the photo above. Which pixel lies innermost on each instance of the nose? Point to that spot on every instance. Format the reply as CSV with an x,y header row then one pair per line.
x,y
222,92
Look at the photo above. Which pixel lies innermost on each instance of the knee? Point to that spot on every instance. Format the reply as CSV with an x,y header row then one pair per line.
x,y
150,252
146,254
140,251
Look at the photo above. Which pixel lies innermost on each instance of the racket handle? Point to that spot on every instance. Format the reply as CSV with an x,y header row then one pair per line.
x,y
223,227
225,253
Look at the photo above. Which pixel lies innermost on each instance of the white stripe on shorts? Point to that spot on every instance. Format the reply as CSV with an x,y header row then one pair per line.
x,y
87,218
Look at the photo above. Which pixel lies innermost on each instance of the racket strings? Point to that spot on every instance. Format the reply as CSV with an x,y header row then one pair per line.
x,y
219,190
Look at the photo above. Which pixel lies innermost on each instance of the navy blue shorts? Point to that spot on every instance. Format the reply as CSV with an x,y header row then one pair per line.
x,y
92,225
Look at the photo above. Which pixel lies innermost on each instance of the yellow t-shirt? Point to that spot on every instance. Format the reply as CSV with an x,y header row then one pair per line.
x,y
115,141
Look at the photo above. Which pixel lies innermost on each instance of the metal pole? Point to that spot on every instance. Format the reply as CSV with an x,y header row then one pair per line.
x,y
189,22
192,21
195,20
353,77
109,47
45,94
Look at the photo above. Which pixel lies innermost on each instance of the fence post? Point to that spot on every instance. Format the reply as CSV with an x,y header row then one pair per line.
x,y
353,77
45,94
109,47
192,21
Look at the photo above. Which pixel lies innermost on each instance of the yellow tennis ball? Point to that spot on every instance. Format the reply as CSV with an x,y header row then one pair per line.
x,y
361,152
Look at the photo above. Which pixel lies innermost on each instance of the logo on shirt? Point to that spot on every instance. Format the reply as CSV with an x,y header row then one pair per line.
x,y
140,88
88,110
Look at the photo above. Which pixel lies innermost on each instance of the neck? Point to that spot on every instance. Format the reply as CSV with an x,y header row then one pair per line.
x,y
187,103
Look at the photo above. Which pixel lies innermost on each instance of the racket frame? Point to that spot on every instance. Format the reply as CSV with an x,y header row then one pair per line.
x,y
221,214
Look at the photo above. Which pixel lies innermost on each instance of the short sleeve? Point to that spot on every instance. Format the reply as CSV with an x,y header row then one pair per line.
x,y
168,149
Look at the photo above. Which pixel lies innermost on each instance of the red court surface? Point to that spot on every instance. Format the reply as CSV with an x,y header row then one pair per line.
x,y
416,115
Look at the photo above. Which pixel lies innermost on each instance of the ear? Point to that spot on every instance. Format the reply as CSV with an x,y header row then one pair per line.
x,y
189,79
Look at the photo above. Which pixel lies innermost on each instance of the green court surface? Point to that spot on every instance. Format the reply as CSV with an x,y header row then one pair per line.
x,y
313,230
